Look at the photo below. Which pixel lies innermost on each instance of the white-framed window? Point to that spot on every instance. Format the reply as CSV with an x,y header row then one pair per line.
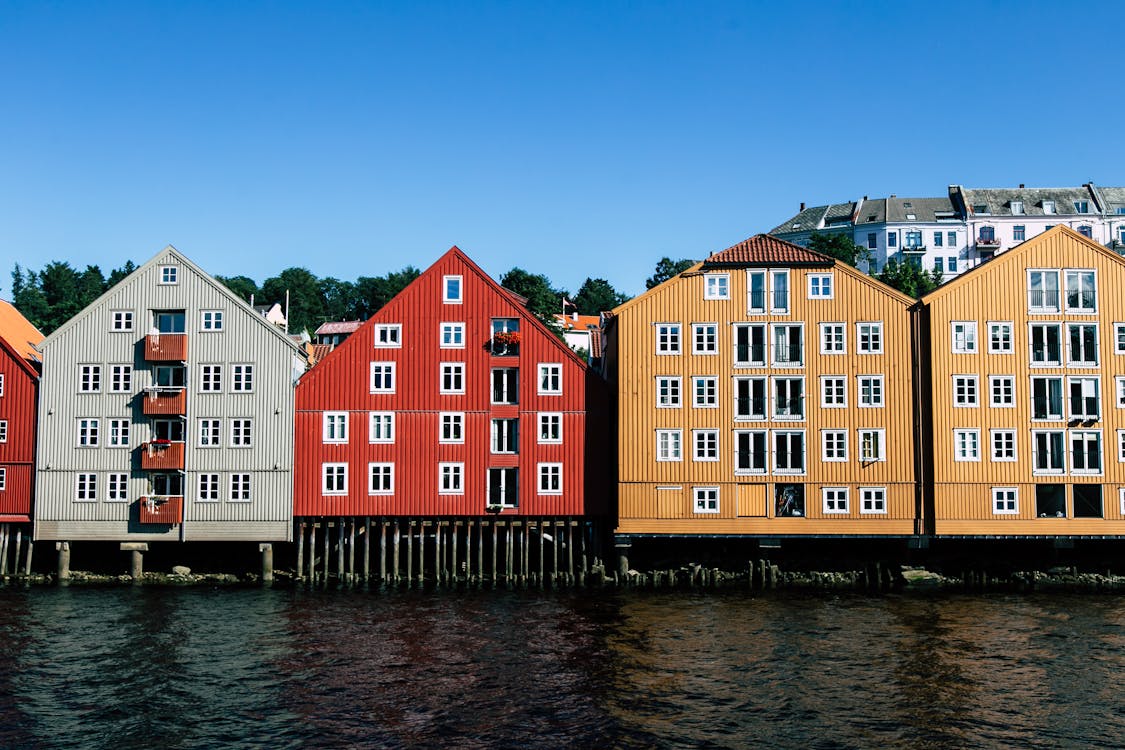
x,y
872,445
749,345
505,435
382,377
1017,208
1121,496
1119,338
210,433
1049,207
1048,451
550,479
550,379
239,488
706,445
999,337
119,433
821,286
452,378
1121,446
1082,344
550,427
965,391
779,291
210,378
667,338
751,454
788,344
120,378
86,488
1003,445
750,399
169,275
716,286
117,487
1085,452
833,391
788,398
88,433
1002,391
211,320
208,488
121,320
89,378
835,499
334,479
869,338
451,478
1042,290
381,427
1046,347
387,336
1081,290
380,479
872,499
705,499
3,478
833,338
1005,501
335,427
452,427
834,446
505,385
1085,400
452,292
3,430
1046,398
756,292
452,335
668,445
788,452
242,378
241,433
966,445
1119,382
1,384
870,389
705,392
704,338
667,392
964,336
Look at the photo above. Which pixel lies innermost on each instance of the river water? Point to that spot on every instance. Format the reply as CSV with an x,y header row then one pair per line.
x,y
148,667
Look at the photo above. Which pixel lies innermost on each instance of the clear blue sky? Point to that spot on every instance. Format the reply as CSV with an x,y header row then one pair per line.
x,y
572,139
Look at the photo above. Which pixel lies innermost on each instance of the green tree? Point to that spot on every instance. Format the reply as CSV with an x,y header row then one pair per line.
x,y
306,305
373,292
340,299
118,274
909,278
28,298
544,301
244,286
597,295
840,246
666,268
62,291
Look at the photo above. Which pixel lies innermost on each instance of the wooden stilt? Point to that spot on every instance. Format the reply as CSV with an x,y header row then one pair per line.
x,y
312,554
554,553
582,558
508,554
455,570
327,549
480,551
27,558
382,551
341,543
367,549
301,550
351,550
540,573
4,550
397,534
527,552
437,553
409,553
570,553
495,545
16,556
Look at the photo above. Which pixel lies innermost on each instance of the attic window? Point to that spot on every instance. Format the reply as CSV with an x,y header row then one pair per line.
x,y
169,275
1048,207
451,289
1082,207
1121,210
1017,208
911,217
908,204
871,217
980,208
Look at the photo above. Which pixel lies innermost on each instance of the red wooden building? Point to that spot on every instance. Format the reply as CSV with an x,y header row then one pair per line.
x,y
19,383
459,419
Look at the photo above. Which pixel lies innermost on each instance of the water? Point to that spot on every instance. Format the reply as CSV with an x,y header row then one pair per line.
x,y
148,667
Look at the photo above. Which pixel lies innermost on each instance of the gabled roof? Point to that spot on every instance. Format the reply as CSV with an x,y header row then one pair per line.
x,y
998,201
764,250
334,327
18,332
582,323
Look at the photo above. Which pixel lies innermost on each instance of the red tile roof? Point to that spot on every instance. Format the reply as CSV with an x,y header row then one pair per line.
x,y
338,326
17,331
762,249
583,322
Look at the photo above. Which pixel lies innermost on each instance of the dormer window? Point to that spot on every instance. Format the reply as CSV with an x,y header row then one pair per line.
x,y
451,289
169,275
717,286
1048,207
907,204
1081,207
911,217
981,208
1017,208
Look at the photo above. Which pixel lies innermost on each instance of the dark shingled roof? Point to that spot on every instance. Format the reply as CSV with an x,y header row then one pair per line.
x,y
764,250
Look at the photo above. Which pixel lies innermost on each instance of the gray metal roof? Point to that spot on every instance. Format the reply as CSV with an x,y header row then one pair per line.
x,y
998,201
906,210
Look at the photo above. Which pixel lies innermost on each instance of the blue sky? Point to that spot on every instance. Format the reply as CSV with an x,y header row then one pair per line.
x,y
572,139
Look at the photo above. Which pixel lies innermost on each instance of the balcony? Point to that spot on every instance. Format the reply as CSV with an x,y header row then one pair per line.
x,y
504,344
160,401
913,249
166,347
162,509
162,455
987,246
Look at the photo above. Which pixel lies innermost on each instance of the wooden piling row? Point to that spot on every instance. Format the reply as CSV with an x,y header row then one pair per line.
x,y
16,549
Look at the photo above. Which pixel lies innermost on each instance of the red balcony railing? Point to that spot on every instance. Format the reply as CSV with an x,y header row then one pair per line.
x,y
164,401
166,509
162,455
166,347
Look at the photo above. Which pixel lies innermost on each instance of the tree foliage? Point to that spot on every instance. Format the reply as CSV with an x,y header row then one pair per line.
x,y
244,286
543,300
909,278
596,296
50,297
666,268
840,246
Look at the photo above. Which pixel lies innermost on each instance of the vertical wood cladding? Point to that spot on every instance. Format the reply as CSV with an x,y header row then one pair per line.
x,y
17,449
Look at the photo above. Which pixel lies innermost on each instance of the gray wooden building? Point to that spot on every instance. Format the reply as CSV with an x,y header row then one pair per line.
x,y
166,414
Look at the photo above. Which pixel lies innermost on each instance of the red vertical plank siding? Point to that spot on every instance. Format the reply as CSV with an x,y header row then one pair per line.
x,y
17,454
341,382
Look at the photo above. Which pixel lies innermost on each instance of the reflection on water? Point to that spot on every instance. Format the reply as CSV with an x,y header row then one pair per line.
x,y
148,667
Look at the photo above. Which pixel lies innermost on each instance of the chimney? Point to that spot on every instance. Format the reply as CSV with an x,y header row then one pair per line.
x,y
865,197
1021,186
893,195
802,205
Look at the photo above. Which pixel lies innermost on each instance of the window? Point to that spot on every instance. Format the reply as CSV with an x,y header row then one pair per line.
x,y
832,338
965,390
1046,349
667,338
171,430
1017,208
789,452
3,430
169,376
169,275
88,433
208,488
387,336
716,286
869,338
1085,452
1081,292
505,337
788,345
121,378
892,239
169,321
668,445
382,377
116,487
872,500
86,488
1,384
210,378
833,391
938,239
834,445
964,336
550,479
209,433
755,292
1087,501
451,289
1048,452
451,479
1019,233
505,435
779,283
789,500
952,263
1005,501
380,479
241,433
1048,207
452,427
951,240
1003,445
835,499
871,391
912,239
1081,207
1084,402
168,484
335,479
872,241
872,446
706,445
981,208
1050,501
704,338
789,398
750,453
550,379
211,320
705,392
121,320
667,392
452,377
89,378
503,488
240,488
1118,339
550,427
999,338
242,378
1046,398
1121,446
820,286
1002,391
380,427
1120,381
505,385
335,427
749,398
452,335
706,499
1082,344
966,445
1042,291
749,345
